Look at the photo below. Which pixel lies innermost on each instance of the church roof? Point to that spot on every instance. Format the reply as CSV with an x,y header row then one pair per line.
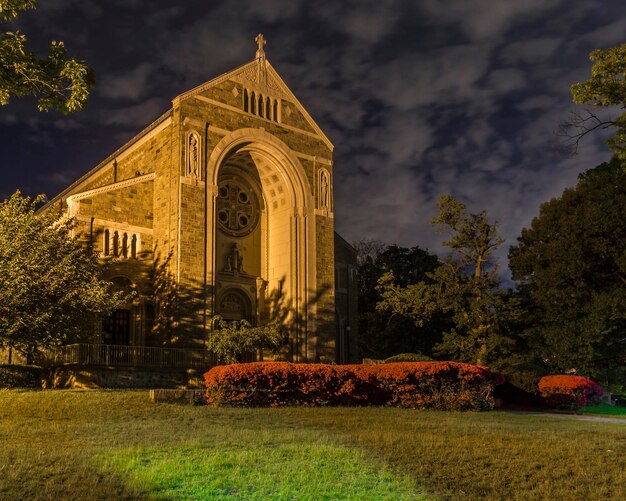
x,y
259,74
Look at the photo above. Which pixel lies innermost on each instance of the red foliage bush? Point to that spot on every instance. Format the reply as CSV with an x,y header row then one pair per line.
x,y
569,392
420,385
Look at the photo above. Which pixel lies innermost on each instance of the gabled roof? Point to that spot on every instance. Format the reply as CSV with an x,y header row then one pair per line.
x,y
260,75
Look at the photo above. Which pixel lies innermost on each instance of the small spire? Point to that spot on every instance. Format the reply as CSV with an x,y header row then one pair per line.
x,y
260,52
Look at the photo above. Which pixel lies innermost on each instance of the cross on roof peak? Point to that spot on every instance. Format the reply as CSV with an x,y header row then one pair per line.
x,y
260,52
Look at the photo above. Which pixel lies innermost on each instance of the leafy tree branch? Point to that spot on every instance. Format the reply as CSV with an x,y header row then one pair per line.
x,y
59,81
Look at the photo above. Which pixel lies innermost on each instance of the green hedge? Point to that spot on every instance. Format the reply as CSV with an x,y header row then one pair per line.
x,y
20,376
408,357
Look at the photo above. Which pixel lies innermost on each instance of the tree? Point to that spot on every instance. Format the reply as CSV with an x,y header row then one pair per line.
x,y
51,285
571,266
466,287
59,81
233,340
382,334
605,88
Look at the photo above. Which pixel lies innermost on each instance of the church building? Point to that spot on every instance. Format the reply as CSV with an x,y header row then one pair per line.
x,y
228,198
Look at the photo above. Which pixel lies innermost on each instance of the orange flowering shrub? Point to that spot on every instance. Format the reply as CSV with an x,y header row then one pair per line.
x,y
569,392
419,385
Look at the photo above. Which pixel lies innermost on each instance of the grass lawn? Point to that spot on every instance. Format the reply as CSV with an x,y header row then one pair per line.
x,y
119,445
605,410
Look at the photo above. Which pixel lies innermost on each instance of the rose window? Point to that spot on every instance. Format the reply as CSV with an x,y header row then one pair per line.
x,y
237,208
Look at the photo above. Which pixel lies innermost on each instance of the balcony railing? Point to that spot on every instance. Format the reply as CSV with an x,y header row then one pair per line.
x,y
130,356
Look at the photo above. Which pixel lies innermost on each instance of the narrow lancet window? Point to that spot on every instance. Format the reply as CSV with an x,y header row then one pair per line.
x,y
125,245
106,242
245,100
253,104
133,247
261,106
116,244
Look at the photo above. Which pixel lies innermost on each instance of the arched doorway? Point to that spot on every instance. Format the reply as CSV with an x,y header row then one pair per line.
x,y
263,235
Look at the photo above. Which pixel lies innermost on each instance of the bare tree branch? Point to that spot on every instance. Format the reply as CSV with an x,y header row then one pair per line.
x,y
577,126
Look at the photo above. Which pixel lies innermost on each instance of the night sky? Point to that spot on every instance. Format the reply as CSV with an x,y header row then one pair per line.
x,y
419,97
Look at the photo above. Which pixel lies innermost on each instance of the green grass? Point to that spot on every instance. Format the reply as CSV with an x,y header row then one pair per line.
x,y
119,445
605,410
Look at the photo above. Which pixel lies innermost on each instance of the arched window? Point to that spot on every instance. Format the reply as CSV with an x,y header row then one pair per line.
x,y
125,245
276,111
116,244
261,103
253,104
245,100
268,108
106,243
133,247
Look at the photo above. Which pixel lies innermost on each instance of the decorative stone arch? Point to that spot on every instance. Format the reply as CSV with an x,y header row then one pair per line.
x,y
239,304
290,244
262,141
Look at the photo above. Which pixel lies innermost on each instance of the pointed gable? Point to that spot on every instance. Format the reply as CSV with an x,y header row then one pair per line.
x,y
260,77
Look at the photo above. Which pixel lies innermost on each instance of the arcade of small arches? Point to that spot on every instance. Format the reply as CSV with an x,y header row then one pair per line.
x,y
121,244
262,106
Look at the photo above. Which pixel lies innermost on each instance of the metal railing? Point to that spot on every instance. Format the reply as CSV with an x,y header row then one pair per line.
x,y
129,356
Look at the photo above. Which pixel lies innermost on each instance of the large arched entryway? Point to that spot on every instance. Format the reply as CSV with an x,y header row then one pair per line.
x,y
263,243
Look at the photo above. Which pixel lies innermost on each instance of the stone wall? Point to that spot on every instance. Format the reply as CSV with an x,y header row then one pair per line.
x,y
88,377
346,299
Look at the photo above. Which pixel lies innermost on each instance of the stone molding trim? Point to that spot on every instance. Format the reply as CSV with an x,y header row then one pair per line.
x,y
120,226
72,205
234,109
148,133
219,130
325,213
315,159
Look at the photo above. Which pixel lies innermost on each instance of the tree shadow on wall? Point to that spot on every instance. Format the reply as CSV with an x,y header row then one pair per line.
x,y
311,328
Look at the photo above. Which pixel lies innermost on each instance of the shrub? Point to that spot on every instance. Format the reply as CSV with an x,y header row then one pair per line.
x,y
271,384
419,385
408,357
436,385
569,392
231,341
20,376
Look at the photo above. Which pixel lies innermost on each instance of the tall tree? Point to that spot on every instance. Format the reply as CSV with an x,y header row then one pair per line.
x,y
571,265
58,81
51,284
466,286
382,334
605,91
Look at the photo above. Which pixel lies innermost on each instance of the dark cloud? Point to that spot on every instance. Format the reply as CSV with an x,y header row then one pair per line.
x,y
420,98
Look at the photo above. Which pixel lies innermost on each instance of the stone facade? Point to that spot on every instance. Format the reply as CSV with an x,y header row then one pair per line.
x,y
230,191
346,301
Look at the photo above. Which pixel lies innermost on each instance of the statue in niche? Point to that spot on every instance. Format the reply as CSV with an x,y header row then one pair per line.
x,y
234,260
193,167
324,190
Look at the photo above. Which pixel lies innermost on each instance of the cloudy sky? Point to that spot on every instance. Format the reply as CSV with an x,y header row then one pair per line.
x,y
420,97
